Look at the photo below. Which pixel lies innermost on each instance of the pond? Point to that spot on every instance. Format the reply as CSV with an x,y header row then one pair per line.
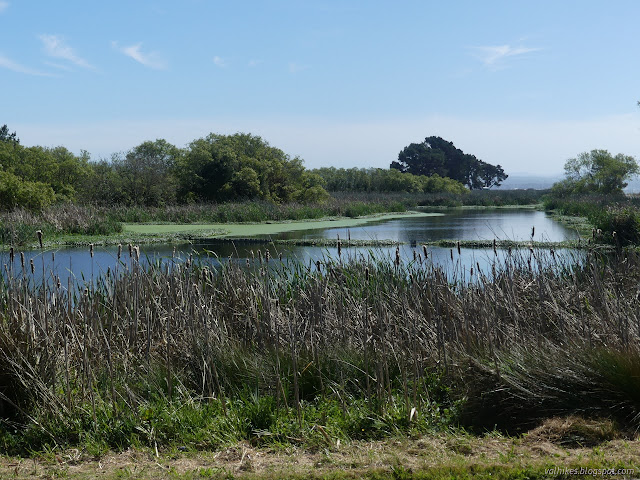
x,y
76,264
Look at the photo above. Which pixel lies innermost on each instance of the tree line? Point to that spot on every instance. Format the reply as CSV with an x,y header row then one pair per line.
x,y
215,168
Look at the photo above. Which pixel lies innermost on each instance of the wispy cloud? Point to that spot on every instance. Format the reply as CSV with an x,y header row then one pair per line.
x,y
219,62
9,64
3,6
152,59
496,56
55,47
254,63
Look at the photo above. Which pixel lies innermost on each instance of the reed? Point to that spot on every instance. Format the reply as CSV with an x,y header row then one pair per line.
x,y
360,346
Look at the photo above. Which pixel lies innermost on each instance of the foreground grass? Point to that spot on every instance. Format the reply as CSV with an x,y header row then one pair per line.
x,y
550,451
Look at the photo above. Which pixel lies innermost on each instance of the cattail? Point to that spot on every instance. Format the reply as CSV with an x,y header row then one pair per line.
x,y
91,249
11,255
39,233
471,271
414,256
458,245
593,233
366,273
451,253
533,231
318,265
424,250
397,256
53,256
22,260
267,256
509,251
495,249
58,281
120,250
136,251
280,256
339,247
130,250
33,268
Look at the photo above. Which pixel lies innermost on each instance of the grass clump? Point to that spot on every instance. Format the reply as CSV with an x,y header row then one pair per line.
x,y
278,352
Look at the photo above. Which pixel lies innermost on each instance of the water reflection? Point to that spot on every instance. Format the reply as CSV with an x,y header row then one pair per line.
x,y
455,224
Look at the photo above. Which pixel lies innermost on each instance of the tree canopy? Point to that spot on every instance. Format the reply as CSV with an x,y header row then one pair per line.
x,y
381,180
597,171
438,156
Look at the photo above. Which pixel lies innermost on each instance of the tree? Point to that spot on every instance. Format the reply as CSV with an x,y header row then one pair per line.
x,y
438,156
5,136
240,166
147,173
597,171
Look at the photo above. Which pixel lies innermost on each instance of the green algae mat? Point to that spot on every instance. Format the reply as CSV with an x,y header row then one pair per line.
x,y
242,230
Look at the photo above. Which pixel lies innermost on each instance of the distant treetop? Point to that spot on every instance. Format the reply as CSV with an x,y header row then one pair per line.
x,y
438,156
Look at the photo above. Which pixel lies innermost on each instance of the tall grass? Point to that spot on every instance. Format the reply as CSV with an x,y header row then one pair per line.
x,y
278,350
607,214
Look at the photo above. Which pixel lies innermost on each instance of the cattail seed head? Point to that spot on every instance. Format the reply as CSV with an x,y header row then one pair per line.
x,y
91,249
366,273
397,256
11,254
39,233
53,256
120,250
33,268
22,260
318,265
533,231
458,245
424,250
495,247
451,253
130,250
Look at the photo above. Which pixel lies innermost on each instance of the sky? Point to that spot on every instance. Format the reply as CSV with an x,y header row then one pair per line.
x,y
344,83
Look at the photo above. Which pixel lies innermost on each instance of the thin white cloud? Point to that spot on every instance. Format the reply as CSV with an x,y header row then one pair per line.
x,y
254,63
9,64
3,6
496,56
55,47
219,62
152,59
59,66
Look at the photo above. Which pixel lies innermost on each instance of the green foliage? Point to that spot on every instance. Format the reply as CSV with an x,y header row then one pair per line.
x,y
5,136
438,156
606,213
380,180
596,171
16,192
243,166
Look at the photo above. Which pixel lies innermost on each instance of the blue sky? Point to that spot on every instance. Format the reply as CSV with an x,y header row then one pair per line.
x,y
346,83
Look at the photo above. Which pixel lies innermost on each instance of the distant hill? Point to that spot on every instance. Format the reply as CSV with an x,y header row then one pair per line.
x,y
523,181
541,182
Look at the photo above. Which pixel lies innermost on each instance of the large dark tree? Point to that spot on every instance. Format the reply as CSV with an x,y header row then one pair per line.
x,y
5,136
438,156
